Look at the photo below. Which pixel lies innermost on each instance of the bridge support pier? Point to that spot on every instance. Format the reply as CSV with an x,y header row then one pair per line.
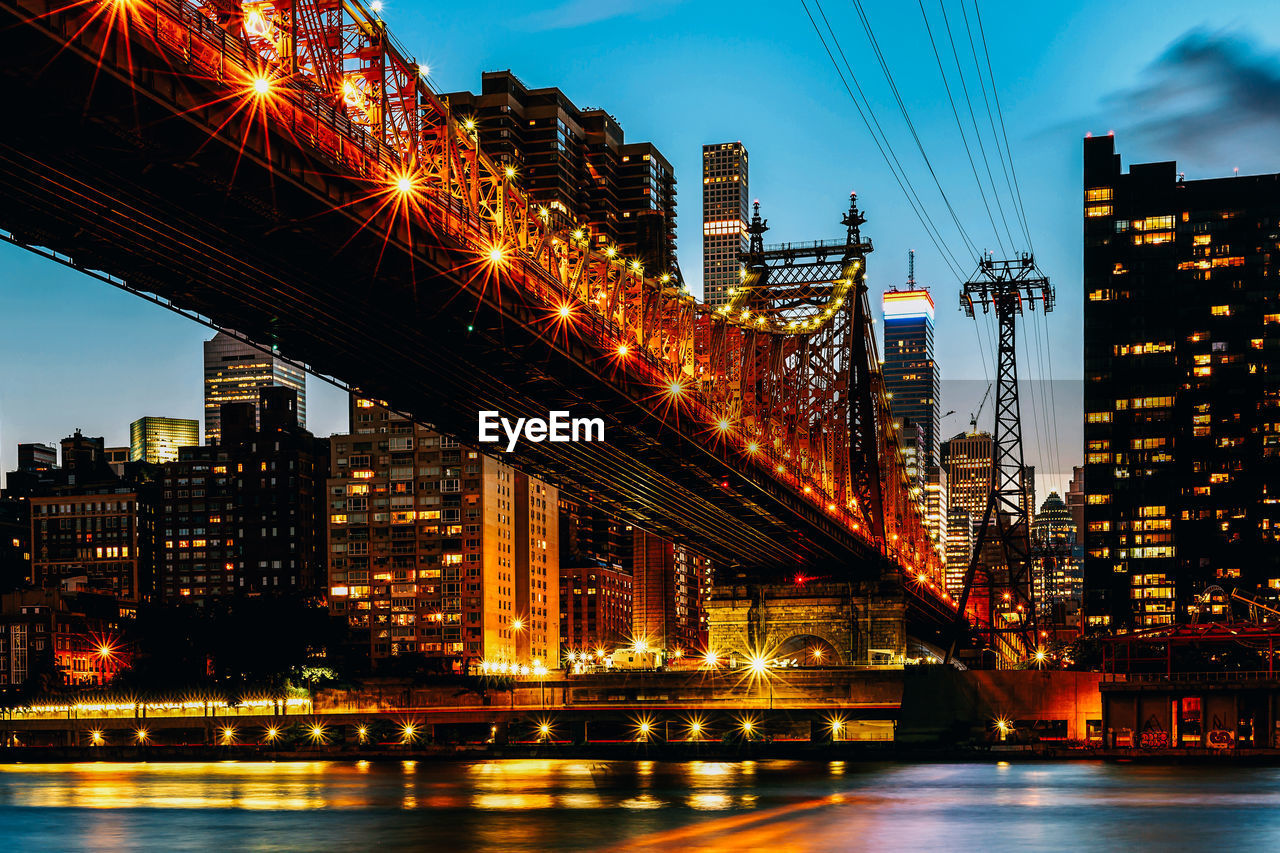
x,y
817,623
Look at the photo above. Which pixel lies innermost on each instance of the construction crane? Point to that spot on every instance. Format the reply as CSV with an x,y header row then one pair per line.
x,y
973,418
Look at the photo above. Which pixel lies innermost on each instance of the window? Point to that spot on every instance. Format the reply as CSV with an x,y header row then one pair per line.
x,y
1098,194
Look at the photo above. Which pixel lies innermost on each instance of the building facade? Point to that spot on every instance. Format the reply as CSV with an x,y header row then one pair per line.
x,y
725,199
103,533
156,440
52,637
1182,388
246,516
1057,566
576,164
910,373
669,592
437,550
235,371
595,607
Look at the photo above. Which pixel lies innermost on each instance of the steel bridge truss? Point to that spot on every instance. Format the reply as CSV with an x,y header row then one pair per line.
x,y
786,378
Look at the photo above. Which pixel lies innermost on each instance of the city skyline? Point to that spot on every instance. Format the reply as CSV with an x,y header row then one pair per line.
x,y
1045,144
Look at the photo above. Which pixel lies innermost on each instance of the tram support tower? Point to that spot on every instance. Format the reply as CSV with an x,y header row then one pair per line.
x,y
997,592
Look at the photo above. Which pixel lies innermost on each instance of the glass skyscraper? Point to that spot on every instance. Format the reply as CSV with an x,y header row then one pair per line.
x,y
234,371
157,440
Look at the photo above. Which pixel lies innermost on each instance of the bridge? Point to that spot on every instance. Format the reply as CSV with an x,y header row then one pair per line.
x,y
283,169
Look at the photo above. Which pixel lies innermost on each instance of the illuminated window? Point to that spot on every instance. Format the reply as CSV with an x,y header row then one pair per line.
x,y
1220,310
1099,499
1098,194
1097,210
1099,417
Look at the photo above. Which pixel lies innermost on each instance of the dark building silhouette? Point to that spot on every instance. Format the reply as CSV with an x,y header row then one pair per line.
x,y
577,166
1182,388
246,516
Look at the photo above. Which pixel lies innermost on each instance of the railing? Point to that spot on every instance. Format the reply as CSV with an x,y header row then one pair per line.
x,y
1189,677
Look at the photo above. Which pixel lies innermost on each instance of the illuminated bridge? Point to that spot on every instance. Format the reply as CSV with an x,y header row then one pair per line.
x,y
283,169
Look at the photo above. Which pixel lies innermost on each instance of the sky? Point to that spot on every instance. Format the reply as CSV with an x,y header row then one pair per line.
x,y
1195,82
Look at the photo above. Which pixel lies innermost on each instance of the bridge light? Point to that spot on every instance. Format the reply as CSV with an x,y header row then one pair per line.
x,y
272,734
544,729
565,311
837,726
758,664
922,577
261,85
362,733
511,171
695,728
577,235
611,251
723,425
675,389
747,727
404,185
95,737
623,350
316,733
496,255
816,653
423,69
141,735
752,447
376,5
710,658
469,124
666,276
407,732
228,735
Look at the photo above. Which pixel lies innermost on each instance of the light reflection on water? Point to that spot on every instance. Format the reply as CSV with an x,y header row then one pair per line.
x,y
641,805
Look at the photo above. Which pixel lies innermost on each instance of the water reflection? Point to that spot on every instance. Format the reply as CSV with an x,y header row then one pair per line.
x,y
574,805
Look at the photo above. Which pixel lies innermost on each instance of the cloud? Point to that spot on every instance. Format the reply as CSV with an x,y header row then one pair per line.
x,y
578,13
1209,95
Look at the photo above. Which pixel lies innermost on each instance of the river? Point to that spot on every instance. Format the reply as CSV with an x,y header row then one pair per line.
x,y
540,805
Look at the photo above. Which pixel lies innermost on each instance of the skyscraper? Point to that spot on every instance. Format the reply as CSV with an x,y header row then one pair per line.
x,y
671,584
1182,388
724,218
439,550
235,371
910,372
157,440
912,380
1056,569
577,165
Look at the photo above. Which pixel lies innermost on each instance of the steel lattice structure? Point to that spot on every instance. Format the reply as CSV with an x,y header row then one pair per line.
x,y
999,597
785,379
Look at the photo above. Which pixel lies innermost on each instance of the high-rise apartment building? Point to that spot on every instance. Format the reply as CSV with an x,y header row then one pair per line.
x,y
246,516
967,459
595,607
671,585
156,440
438,550
104,533
1182,387
725,199
235,371
576,164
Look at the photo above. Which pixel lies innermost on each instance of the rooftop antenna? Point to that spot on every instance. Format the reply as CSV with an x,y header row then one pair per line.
x,y
911,269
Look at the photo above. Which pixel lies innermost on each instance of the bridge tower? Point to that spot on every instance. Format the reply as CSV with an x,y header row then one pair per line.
x,y
997,592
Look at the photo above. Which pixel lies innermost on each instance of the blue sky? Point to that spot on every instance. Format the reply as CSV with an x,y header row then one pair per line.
x,y
1192,81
